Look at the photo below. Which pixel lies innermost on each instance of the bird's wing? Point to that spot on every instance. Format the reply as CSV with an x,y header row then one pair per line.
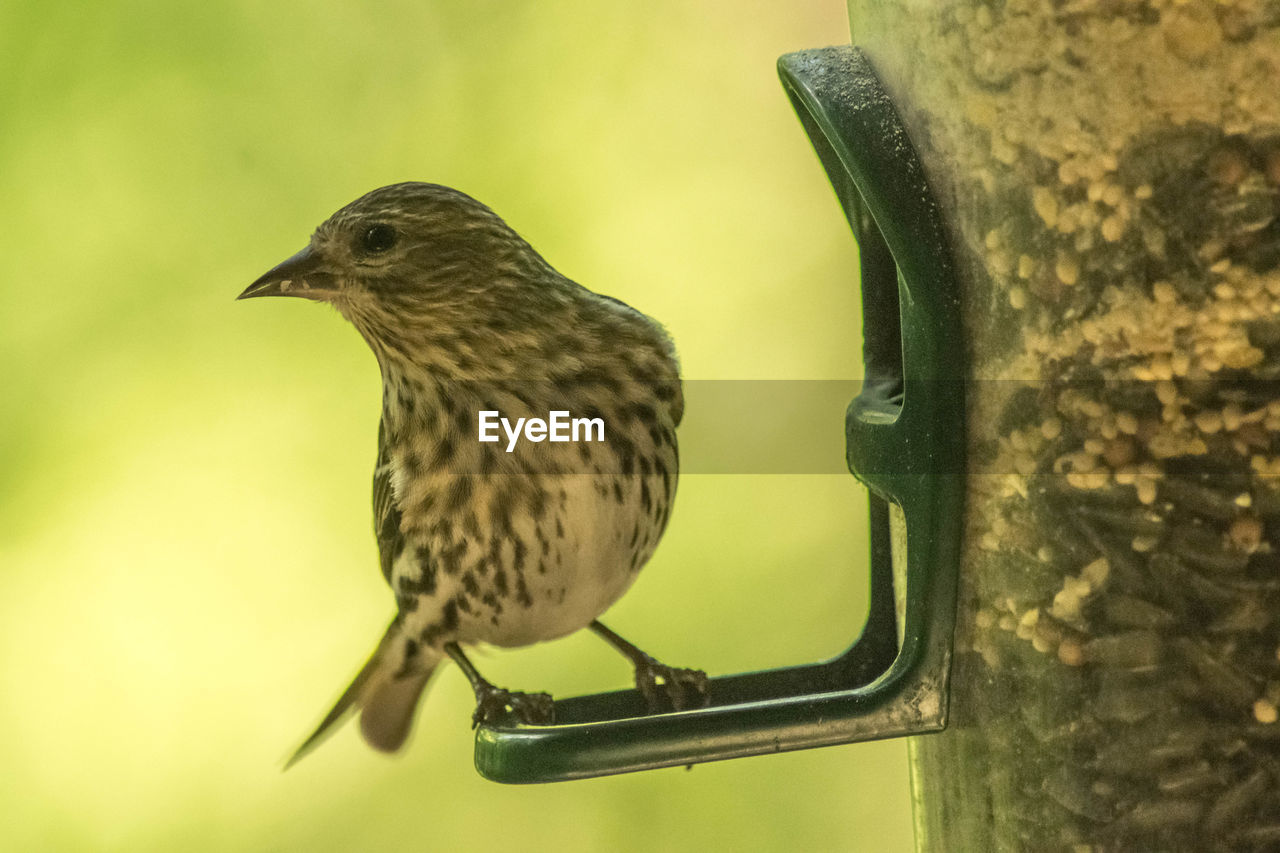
x,y
386,690
386,515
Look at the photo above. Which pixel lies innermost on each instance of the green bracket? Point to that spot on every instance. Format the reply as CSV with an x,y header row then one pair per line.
x,y
905,433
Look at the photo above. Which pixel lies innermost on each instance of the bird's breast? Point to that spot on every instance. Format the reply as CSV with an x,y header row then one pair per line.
x,y
513,548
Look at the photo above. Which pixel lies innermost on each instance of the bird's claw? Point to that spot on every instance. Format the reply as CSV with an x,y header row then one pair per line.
x,y
534,709
657,681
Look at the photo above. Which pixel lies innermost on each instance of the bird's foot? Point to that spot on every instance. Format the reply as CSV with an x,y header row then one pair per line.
x,y
668,686
493,703
661,686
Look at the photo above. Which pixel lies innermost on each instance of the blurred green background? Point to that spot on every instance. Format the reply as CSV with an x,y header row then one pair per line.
x,y
187,571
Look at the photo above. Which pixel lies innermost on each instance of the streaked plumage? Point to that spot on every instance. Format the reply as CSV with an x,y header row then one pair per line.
x,y
480,545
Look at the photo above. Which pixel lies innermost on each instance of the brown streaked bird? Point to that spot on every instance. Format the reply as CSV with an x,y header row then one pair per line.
x,y
510,541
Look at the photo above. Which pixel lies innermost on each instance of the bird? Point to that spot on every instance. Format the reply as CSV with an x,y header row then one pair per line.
x,y
485,542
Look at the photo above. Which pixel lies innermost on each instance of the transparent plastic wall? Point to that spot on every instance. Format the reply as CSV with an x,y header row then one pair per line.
x,y
1110,171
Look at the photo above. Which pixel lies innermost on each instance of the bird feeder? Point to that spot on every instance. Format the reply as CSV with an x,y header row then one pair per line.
x,y
1068,217
1110,180
905,441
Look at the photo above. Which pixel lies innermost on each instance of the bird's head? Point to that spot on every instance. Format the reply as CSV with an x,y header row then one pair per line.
x,y
421,262
439,285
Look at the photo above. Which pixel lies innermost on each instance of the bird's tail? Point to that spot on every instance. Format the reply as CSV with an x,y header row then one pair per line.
x,y
385,691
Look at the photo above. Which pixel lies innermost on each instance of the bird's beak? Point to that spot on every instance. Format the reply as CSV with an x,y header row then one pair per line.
x,y
302,275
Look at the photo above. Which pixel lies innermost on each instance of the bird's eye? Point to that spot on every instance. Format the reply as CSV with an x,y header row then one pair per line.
x,y
378,238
